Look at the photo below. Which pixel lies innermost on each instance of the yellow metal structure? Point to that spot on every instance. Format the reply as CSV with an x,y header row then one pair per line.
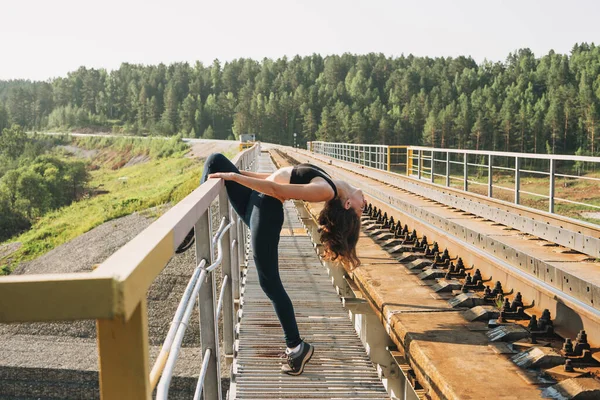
x,y
389,157
114,295
246,145
395,151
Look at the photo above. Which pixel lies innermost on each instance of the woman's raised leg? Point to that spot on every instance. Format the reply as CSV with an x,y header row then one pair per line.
x,y
238,194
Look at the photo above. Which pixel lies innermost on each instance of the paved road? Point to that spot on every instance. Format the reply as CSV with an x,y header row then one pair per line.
x,y
201,148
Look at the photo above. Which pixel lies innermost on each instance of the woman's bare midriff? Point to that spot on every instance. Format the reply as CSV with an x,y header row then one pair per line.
x,y
282,175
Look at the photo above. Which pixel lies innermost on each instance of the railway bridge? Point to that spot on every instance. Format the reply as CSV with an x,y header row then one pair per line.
x,y
479,279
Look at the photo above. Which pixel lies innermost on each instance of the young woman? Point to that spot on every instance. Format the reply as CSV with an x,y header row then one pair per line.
x,y
258,199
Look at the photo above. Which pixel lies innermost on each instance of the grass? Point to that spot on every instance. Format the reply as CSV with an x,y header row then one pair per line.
x,y
167,176
118,151
118,193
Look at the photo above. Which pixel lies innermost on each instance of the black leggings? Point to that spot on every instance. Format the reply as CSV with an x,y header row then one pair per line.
x,y
264,216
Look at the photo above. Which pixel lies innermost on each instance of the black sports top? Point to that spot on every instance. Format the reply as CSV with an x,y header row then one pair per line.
x,y
304,173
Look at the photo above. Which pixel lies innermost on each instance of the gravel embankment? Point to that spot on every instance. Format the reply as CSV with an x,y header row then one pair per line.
x,y
60,359
71,345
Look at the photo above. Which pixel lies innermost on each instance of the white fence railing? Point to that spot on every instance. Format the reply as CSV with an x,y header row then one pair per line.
x,y
494,174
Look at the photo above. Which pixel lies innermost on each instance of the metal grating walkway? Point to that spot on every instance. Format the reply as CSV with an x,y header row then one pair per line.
x,y
339,368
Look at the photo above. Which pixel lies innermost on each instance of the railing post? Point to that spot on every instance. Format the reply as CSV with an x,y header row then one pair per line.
x,y
389,159
466,172
241,245
490,176
226,270
235,256
517,179
419,162
409,162
209,334
432,164
552,185
123,356
447,169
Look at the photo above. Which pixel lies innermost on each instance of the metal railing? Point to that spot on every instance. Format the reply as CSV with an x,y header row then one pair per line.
x,y
115,295
370,155
498,175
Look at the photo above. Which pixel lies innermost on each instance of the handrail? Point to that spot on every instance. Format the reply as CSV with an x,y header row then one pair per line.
x,y
161,360
221,296
173,352
162,391
422,165
200,384
563,157
218,238
219,232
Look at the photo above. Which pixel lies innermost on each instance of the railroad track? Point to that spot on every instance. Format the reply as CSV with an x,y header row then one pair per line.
x,y
457,280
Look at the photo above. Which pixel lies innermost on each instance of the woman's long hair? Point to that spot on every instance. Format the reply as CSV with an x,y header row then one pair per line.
x,y
339,230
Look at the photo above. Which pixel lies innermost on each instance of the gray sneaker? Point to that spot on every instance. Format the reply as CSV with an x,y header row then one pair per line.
x,y
297,360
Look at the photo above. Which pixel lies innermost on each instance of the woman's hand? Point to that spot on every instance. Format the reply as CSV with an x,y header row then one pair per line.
x,y
228,176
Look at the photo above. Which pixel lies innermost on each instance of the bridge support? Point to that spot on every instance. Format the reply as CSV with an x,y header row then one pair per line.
x,y
226,271
207,304
123,356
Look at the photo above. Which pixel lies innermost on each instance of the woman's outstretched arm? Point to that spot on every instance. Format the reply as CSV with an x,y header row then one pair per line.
x,y
258,175
312,192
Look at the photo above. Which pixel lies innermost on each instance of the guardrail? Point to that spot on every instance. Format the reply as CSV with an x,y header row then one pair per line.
x,y
115,295
494,174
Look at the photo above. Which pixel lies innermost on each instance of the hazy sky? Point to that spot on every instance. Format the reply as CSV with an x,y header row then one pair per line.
x,y
47,38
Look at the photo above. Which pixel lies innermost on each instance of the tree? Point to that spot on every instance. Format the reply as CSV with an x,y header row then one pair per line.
x,y
588,112
358,126
463,121
208,133
518,104
309,125
385,132
11,221
187,114
76,177
9,184
4,120
20,107
553,120
32,194
143,107
509,113
327,128
169,116
431,130
12,141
